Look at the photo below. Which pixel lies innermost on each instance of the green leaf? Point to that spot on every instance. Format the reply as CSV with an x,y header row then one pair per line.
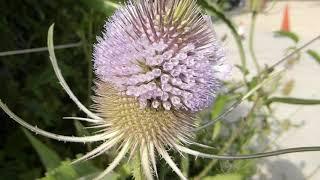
x,y
49,158
64,172
84,168
246,167
124,171
253,83
287,34
136,167
110,176
298,101
314,55
225,177
216,130
216,111
106,7
218,106
185,165
81,171
87,171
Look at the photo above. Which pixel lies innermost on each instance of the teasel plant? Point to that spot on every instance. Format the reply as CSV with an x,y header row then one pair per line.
x,y
158,64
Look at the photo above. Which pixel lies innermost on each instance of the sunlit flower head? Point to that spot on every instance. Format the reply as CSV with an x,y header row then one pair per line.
x,y
158,63
163,53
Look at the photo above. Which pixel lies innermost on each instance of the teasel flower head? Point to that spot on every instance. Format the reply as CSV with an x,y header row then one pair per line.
x,y
158,63
163,53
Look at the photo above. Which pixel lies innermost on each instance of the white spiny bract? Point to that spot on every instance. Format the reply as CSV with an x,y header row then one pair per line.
x,y
158,63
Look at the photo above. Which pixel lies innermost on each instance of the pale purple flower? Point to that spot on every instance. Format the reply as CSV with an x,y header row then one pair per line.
x,y
163,56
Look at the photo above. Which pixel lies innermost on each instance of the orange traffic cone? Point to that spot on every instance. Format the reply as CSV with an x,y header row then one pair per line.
x,y
286,20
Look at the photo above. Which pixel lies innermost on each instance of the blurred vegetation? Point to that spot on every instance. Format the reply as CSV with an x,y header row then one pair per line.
x,y
28,81
30,88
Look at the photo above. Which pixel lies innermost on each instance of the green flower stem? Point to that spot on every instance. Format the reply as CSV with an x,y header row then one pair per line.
x,y
251,41
296,101
40,49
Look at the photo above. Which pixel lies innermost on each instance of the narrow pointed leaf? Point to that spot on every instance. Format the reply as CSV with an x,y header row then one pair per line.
x,y
185,165
314,55
49,158
289,35
63,172
81,171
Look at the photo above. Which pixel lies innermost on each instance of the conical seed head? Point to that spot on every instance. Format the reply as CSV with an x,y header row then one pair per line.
x,y
123,114
164,53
